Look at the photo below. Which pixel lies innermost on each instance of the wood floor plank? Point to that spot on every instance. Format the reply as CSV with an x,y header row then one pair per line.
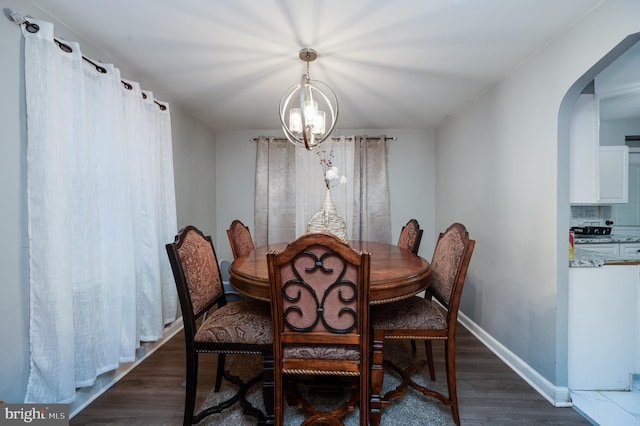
x,y
489,392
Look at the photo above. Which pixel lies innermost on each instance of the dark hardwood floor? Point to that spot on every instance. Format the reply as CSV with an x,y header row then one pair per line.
x,y
489,392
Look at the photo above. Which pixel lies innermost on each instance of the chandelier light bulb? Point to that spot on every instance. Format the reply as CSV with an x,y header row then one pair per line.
x,y
318,123
310,111
295,120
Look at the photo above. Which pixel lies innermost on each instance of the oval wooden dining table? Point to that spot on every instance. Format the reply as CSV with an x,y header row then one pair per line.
x,y
395,274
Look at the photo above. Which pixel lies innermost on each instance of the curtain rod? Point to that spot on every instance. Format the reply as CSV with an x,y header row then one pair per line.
x,y
34,28
335,138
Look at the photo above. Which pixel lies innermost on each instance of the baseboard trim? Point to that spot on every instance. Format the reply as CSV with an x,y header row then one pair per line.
x,y
557,395
85,396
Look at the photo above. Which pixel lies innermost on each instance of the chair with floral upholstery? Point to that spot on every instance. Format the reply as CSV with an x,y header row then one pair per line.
x,y
410,236
239,239
422,319
212,325
320,309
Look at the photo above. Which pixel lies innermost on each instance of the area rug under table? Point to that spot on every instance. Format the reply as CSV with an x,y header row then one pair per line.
x,y
411,409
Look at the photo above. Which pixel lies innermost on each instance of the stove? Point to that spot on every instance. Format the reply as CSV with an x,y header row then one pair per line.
x,y
591,230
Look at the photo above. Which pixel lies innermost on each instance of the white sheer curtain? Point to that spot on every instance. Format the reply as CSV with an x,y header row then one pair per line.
x,y
100,207
293,177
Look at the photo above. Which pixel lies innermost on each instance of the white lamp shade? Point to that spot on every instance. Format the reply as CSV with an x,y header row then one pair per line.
x,y
295,120
310,111
318,123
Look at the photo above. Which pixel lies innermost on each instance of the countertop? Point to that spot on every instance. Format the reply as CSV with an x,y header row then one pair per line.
x,y
589,259
605,239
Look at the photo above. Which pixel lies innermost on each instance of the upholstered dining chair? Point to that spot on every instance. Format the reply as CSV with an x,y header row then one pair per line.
x,y
409,239
422,319
410,236
239,239
320,309
214,326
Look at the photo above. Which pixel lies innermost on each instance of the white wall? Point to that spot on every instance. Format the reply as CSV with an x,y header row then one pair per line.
x,y
502,170
14,307
411,180
194,159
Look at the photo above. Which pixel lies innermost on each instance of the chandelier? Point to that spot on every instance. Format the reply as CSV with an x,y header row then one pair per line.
x,y
303,106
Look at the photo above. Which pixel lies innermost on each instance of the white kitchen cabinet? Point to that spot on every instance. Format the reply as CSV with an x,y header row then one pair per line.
x,y
614,174
612,248
584,143
604,322
630,250
597,174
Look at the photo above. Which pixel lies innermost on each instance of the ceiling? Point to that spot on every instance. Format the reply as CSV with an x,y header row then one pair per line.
x,y
392,64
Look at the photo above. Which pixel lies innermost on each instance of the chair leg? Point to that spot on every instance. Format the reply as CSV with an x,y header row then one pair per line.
x,y
190,388
377,375
290,389
428,348
278,388
365,388
268,388
450,359
219,372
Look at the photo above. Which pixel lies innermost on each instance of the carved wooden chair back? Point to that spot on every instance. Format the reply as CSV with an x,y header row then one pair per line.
x,y
320,313
410,236
240,239
449,266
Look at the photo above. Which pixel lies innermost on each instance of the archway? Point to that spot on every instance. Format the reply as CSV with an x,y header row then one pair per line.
x,y
583,85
